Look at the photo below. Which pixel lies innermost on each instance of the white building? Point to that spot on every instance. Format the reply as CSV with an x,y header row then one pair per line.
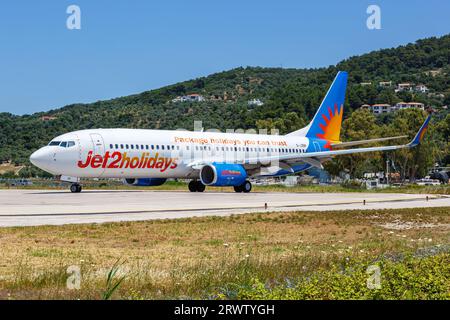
x,y
385,84
422,88
378,108
408,105
255,102
387,108
404,87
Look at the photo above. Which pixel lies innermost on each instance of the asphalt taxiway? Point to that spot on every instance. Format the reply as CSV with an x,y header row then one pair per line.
x,y
52,207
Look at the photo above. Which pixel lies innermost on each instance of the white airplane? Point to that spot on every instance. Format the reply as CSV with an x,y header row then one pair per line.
x,y
148,157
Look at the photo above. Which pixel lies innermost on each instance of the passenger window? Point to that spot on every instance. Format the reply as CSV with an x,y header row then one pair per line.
x,y
157,147
153,147
110,146
121,146
126,146
132,146
63,144
117,146
146,146
187,147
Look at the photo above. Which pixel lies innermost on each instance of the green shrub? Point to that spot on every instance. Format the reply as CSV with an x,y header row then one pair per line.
x,y
412,278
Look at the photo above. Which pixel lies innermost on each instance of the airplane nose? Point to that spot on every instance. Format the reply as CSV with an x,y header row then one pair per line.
x,y
41,158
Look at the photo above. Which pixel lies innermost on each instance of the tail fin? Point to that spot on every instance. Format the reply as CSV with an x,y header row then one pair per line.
x,y
327,121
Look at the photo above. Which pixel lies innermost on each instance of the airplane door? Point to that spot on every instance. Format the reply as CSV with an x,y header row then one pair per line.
x,y
98,148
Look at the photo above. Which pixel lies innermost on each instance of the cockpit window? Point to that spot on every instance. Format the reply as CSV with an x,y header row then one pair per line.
x,y
62,144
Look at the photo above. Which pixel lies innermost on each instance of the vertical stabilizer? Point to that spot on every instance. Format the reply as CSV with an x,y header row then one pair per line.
x,y
327,121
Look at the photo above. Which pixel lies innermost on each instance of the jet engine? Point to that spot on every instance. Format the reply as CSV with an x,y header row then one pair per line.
x,y
223,174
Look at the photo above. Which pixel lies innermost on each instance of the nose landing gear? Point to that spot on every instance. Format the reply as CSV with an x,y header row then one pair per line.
x,y
75,188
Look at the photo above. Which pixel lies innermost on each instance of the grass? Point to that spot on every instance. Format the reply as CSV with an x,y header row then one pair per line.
x,y
182,186
232,257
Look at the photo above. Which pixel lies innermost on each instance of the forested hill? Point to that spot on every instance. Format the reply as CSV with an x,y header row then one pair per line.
x,y
290,98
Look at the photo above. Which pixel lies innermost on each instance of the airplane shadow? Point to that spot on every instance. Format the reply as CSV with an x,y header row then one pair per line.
x,y
86,191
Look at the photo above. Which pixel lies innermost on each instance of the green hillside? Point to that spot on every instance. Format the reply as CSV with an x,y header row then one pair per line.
x,y
290,98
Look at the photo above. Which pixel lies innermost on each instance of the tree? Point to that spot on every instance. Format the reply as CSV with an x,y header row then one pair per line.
x,y
416,161
361,125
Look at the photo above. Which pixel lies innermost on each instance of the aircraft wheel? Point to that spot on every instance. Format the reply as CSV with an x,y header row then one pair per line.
x,y
75,188
238,189
192,186
200,187
247,186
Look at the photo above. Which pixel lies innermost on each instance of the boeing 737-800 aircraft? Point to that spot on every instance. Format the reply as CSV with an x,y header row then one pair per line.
x,y
149,157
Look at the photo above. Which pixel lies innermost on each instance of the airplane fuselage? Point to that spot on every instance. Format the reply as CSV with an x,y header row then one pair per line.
x,y
141,153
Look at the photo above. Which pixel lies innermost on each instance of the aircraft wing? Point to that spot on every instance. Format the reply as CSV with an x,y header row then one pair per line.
x,y
316,158
359,142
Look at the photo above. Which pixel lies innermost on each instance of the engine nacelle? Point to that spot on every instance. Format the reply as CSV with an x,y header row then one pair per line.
x,y
146,182
223,174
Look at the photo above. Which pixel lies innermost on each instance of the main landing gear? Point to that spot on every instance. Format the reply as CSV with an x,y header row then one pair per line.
x,y
75,188
246,187
196,186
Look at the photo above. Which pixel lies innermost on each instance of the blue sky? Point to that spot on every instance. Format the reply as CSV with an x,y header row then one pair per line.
x,y
126,47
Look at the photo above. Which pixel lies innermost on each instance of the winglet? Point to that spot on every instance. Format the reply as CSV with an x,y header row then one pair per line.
x,y
419,136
